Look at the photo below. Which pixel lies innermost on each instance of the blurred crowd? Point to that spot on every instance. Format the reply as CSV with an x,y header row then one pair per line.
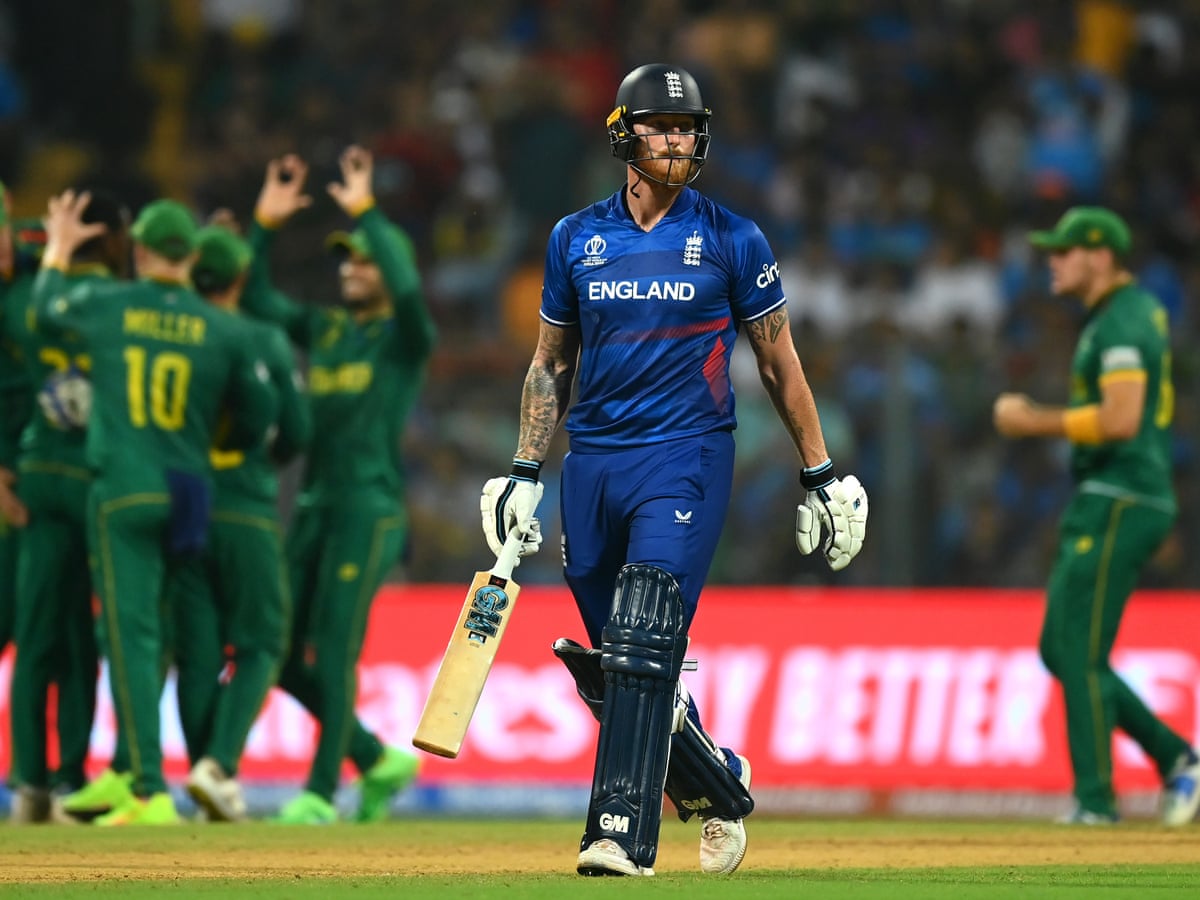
x,y
895,153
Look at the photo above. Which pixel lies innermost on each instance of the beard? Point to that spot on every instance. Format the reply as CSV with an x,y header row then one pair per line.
x,y
673,171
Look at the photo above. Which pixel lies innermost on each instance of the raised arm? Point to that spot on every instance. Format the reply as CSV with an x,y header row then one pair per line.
x,y
281,197
391,250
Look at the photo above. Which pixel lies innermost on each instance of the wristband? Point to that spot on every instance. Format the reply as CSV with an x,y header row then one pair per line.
x,y
361,207
813,478
267,223
525,469
1081,424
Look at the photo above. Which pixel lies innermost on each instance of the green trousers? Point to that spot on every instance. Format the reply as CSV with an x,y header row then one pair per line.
x,y
1103,545
55,627
127,538
338,556
9,542
231,609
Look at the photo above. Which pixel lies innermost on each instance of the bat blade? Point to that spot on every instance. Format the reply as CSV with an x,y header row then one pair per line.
x,y
466,663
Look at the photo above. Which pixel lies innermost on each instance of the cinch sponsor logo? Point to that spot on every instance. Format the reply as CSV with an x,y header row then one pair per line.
x,y
632,290
617,824
770,274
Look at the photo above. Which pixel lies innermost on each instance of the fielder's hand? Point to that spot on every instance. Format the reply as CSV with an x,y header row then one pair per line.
x,y
839,508
354,193
282,194
508,503
65,228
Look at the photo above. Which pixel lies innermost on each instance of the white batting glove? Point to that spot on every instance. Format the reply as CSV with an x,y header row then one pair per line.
x,y
837,506
510,503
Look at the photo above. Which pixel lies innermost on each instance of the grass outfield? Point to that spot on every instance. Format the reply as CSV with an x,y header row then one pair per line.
x,y
843,860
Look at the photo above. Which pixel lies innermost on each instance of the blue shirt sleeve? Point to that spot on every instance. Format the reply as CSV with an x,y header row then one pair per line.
x,y
560,301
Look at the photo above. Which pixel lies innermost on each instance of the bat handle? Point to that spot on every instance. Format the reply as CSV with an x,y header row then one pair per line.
x,y
506,561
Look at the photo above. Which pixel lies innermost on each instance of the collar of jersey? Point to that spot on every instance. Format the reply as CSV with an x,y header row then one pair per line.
x,y
683,204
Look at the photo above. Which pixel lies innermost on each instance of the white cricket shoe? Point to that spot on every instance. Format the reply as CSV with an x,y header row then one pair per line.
x,y
723,841
30,806
1181,794
219,795
607,857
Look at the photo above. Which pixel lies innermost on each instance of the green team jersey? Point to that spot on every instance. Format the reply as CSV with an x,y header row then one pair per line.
x,y
45,355
363,378
16,390
16,393
1127,332
164,365
250,475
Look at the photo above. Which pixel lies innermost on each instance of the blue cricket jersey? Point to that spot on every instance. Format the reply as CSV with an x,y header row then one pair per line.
x,y
658,312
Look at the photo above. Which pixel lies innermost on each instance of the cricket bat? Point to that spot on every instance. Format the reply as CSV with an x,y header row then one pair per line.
x,y
469,655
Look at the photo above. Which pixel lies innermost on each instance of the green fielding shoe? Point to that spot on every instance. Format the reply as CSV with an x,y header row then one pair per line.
x,y
157,809
307,809
106,792
394,772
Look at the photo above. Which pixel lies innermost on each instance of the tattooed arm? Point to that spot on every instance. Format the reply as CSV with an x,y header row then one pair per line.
x,y
783,377
547,391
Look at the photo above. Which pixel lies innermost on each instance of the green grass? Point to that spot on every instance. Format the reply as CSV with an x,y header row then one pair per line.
x,y
841,860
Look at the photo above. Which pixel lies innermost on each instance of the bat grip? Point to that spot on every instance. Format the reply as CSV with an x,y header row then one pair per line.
x,y
506,560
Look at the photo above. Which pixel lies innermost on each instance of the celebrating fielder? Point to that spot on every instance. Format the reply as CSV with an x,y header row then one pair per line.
x,y
366,364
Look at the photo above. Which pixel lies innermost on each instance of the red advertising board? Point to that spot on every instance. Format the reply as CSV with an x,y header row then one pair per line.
x,y
871,689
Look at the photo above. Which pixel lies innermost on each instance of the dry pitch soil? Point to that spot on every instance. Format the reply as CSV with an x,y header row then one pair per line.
x,y
380,853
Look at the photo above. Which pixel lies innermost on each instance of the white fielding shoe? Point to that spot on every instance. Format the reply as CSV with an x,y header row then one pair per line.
x,y
723,841
30,806
1181,795
606,857
219,795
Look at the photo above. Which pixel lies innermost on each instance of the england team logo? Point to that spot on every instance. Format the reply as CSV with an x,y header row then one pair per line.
x,y
691,249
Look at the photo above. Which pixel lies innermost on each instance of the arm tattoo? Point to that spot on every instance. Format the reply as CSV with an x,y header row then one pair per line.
x,y
539,412
547,390
766,329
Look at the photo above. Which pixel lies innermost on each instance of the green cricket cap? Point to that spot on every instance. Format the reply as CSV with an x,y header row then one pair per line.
x,y
355,242
221,257
1085,226
166,227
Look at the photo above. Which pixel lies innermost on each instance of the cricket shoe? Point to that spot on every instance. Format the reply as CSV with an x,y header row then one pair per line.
x,y
217,793
101,795
307,808
723,841
1181,794
607,857
30,806
58,815
1081,816
157,809
395,770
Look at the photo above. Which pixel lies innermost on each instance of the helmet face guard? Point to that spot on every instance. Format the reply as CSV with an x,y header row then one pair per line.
x,y
658,89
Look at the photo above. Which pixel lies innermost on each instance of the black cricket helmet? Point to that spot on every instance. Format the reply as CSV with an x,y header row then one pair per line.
x,y
655,89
